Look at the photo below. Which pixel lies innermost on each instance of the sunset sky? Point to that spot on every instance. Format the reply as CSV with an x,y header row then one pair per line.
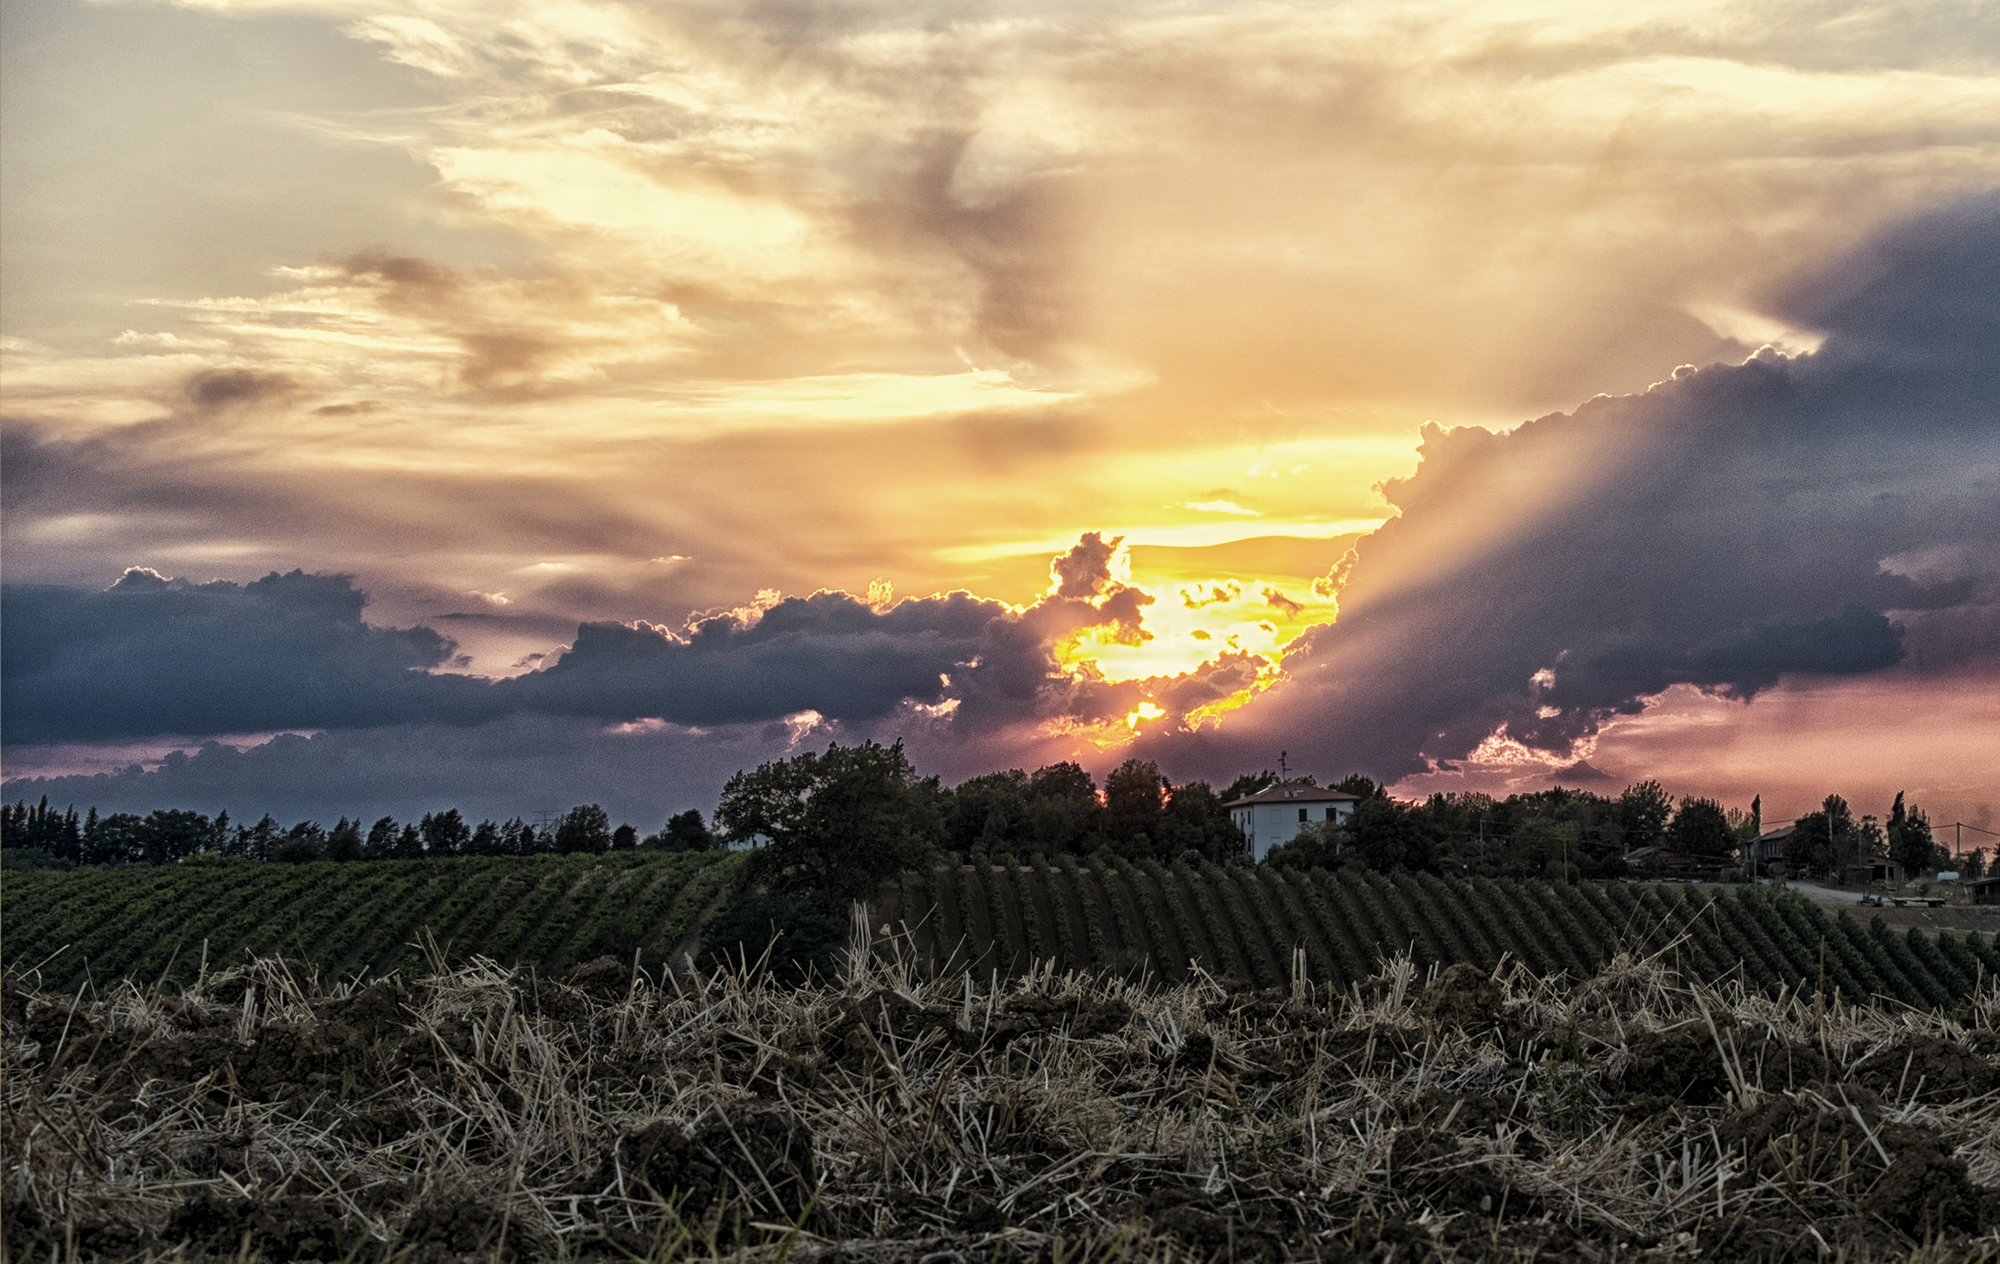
x,y
1475,395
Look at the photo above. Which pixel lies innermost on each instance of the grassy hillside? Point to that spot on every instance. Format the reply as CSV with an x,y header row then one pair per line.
x,y
150,922
1118,915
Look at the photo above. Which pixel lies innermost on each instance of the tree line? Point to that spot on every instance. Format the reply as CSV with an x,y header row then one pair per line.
x,y
36,834
840,820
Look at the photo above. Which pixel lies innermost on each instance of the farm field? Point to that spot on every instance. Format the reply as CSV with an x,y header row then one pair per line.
x,y
1246,924
1255,928
156,922
1419,1115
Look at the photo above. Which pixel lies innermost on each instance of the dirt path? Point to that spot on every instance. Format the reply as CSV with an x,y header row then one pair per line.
x,y
1958,915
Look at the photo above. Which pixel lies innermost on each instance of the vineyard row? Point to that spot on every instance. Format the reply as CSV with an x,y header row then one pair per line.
x,y
1113,914
161,921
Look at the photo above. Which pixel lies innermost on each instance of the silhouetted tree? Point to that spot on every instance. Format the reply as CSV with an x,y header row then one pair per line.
x,y
838,821
381,844
444,833
1701,828
1642,814
685,831
343,841
584,828
303,842
1134,799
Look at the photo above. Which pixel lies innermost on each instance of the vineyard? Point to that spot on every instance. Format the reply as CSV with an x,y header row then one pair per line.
x,y
1262,926
156,922
1121,916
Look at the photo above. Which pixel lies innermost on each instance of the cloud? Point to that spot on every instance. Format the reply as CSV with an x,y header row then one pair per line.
x,y
1815,516
1085,570
154,656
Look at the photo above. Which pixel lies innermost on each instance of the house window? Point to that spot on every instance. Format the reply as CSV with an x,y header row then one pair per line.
x,y
1302,816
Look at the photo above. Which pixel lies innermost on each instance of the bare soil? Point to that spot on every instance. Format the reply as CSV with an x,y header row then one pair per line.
x,y
483,1114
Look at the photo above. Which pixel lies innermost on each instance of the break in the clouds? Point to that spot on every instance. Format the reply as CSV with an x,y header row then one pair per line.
x,y
1823,515
566,329
1828,514
151,656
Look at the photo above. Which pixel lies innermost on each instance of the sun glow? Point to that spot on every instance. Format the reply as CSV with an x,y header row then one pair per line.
x,y
1144,711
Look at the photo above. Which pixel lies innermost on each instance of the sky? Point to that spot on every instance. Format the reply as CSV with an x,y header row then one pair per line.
x,y
508,406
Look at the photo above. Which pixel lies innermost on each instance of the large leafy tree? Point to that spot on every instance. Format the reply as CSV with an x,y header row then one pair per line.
x,y
1386,835
1135,795
1642,814
584,828
1910,841
840,821
1194,818
1823,842
1701,828
445,833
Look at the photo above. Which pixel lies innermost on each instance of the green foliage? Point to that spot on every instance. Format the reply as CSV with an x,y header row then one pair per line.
x,y
836,822
1823,843
1701,828
1642,814
584,828
1909,838
684,831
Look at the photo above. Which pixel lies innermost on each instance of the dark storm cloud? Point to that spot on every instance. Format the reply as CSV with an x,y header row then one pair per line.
x,y
1837,513
151,656
155,657
829,653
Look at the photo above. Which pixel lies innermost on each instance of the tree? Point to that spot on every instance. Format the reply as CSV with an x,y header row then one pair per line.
x,y
1642,814
409,844
343,841
1910,842
486,840
381,844
1134,797
117,839
299,844
1823,842
1194,819
1973,866
685,832
445,833
584,828
1063,812
838,821
1701,828
1317,845
624,838
990,812
1361,787
1385,835
1249,783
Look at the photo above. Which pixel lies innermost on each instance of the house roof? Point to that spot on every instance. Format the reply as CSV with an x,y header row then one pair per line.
x,y
1294,792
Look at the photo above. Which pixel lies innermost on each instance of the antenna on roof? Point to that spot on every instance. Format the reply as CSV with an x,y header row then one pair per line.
x,y
1282,771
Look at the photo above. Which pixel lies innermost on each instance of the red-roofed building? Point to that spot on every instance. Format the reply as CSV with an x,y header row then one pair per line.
x,y
1273,816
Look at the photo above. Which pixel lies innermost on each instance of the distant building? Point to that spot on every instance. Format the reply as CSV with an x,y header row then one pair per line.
x,y
1769,846
1873,869
1273,816
1986,891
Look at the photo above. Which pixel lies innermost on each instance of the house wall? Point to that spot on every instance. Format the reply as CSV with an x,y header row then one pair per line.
x,y
1265,825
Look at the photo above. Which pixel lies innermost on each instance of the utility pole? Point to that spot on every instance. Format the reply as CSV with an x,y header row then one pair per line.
x,y
1283,772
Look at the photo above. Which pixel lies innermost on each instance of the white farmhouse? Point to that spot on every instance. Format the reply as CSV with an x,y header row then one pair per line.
x,y
1274,816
